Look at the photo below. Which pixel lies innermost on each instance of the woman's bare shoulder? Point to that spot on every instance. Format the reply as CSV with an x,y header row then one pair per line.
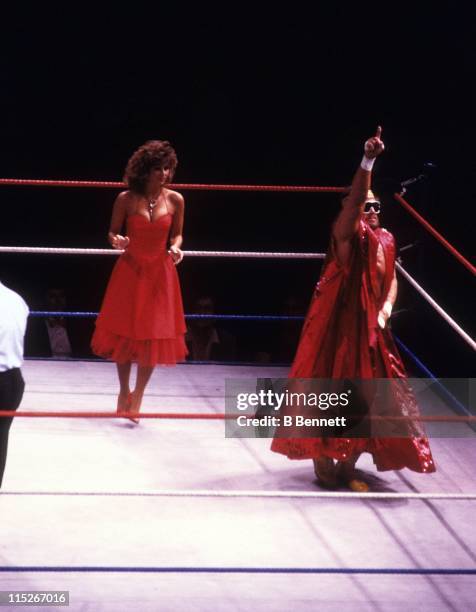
x,y
125,196
175,197
174,194
125,201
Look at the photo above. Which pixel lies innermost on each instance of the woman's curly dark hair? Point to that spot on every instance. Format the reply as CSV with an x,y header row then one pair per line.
x,y
152,154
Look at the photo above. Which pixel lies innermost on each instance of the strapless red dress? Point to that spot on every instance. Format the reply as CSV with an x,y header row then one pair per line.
x,y
141,318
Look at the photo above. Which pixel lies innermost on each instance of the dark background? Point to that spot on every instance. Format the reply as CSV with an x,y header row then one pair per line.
x,y
285,97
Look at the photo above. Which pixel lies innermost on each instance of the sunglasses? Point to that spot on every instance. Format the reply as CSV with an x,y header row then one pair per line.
x,y
372,205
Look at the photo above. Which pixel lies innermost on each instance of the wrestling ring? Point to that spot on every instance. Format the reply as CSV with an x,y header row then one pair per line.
x,y
170,515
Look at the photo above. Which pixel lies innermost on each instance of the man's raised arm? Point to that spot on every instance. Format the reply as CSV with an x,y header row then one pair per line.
x,y
353,204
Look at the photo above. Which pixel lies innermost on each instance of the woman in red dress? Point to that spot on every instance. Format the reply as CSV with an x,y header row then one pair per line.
x,y
141,319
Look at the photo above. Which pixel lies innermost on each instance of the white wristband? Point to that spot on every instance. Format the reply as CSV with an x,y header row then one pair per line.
x,y
367,163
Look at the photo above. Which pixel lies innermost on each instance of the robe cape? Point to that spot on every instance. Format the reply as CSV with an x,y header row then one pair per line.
x,y
342,340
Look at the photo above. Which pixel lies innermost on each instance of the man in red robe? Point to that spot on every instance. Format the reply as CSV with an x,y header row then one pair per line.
x,y
345,336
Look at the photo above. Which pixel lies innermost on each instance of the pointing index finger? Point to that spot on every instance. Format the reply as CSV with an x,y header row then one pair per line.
x,y
379,132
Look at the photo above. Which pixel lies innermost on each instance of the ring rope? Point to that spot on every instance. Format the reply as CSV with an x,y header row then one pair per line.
x,y
252,254
184,186
437,307
218,187
429,374
216,317
251,494
87,414
435,233
218,416
212,317
240,570
238,254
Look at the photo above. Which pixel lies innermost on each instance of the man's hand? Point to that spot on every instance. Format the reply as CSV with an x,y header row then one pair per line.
x,y
374,146
382,319
384,315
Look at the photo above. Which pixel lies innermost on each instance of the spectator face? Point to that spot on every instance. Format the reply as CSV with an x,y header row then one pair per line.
x,y
56,299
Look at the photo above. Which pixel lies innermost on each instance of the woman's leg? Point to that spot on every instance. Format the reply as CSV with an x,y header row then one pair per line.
x,y
124,373
143,376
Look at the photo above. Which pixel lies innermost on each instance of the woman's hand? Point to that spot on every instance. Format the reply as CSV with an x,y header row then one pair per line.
x,y
176,254
119,242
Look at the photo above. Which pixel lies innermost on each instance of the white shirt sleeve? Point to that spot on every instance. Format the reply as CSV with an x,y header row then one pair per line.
x,y
13,319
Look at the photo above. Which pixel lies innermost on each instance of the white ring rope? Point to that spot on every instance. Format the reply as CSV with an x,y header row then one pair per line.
x,y
243,254
437,307
250,494
246,254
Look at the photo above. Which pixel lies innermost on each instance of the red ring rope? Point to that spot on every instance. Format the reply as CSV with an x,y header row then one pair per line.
x,y
435,233
111,415
269,188
207,416
185,186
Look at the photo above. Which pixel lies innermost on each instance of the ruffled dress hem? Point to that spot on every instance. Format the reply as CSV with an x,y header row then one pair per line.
x,y
162,351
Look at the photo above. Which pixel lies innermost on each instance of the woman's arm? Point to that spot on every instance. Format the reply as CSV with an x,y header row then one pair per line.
x,y
176,238
119,213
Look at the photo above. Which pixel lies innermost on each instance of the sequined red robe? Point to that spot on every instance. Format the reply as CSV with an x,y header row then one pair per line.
x,y
341,339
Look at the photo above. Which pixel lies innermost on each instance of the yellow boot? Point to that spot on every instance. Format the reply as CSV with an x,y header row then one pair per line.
x,y
346,473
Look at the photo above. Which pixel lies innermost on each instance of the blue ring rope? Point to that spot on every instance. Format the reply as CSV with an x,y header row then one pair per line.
x,y
460,408
71,314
